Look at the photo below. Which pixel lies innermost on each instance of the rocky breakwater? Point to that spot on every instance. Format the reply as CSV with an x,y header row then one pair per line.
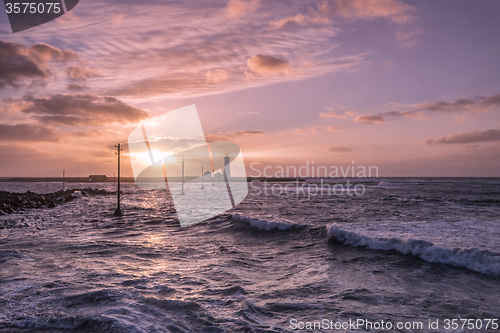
x,y
18,202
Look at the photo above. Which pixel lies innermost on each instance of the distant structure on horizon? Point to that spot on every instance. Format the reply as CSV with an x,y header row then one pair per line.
x,y
219,174
226,163
98,178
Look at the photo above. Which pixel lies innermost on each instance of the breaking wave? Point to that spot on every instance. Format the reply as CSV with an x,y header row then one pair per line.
x,y
481,261
397,184
266,225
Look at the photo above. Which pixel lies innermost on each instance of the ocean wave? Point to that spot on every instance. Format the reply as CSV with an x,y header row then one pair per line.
x,y
481,261
95,297
266,225
397,184
284,307
99,323
5,255
171,304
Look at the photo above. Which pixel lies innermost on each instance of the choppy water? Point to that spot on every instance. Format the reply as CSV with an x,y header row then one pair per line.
x,y
408,249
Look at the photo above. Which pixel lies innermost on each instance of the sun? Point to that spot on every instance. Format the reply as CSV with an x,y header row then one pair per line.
x,y
145,157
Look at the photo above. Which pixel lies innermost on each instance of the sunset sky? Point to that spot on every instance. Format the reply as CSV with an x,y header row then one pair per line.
x,y
411,87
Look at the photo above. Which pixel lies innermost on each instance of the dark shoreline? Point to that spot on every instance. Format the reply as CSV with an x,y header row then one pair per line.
x,y
13,202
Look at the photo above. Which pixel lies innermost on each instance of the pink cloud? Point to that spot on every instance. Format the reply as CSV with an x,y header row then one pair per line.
x,y
81,73
391,10
238,8
226,136
290,22
339,149
408,39
216,75
302,131
334,129
369,119
268,65
330,115
465,137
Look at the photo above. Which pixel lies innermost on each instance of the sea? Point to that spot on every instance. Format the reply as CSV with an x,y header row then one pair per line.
x,y
401,251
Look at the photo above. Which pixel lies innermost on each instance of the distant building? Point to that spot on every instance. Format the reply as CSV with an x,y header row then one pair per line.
x,y
207,175
219,175
98,178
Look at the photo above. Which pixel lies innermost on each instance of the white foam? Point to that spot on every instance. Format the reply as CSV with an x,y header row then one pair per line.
x,y
77,194
265,225
482,261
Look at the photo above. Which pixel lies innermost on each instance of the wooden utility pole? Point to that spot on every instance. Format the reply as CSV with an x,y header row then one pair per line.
x,y
118,211
64,174
182,192
202,175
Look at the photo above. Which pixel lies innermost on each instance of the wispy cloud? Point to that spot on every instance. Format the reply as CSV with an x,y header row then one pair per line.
x,y
290,22
226,136
117,19
339,149
27,133
81,73
176,57
334,128
331,114
417,111
327,12
460,104
404,114
76,87
393,11
237,8
466,137
303,131
491,101
216,75
368,119
410,38
482,103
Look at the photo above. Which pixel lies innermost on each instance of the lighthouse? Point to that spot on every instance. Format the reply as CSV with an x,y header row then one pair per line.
x,y
227,167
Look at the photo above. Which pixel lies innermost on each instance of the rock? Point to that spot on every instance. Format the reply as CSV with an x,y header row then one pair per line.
x,y
8,209
29,204
16,204
69,198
